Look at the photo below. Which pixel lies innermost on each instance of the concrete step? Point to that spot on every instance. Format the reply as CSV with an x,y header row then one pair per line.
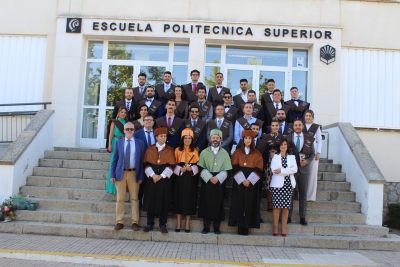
x,y
76,155
81,149
329,167
75,164
332,176
336,195
88,218
44,181
325,161
101,206
390,243
73,173
333,186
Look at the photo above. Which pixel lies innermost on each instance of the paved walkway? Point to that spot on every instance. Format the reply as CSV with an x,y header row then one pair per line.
x,y
59,251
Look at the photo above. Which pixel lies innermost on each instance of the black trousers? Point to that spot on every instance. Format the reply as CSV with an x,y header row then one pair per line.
x,y
207,223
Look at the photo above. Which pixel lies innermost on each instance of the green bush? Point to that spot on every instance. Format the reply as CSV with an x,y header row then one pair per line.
x,y
394,216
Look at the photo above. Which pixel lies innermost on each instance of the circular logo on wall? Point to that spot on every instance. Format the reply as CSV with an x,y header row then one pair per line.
x,y
74,25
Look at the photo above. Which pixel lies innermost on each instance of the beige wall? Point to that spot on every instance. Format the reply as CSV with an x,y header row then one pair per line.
x,y
383,146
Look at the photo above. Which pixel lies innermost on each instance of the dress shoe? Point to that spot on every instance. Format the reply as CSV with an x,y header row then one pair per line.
x,y
303,221
148,228
217,231
245,231
177,230
164,230
205,230
240,230
119,226
187,230
289,220
135,227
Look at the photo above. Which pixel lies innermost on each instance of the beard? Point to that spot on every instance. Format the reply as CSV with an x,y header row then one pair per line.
x,y
215,144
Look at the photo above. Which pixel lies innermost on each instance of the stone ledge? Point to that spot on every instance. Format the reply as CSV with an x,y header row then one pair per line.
x,y
15,150
367,164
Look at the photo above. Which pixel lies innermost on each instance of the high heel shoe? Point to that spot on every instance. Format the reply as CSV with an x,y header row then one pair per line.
x,y
283,235
187,230
177,230
275,234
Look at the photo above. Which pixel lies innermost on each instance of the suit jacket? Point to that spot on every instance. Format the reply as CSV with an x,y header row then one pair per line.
x,y
237,100
297,112
172,140
220,99
138,96
158,97
288,129
189,95
310,157
200,139
132,114
268,116
279,179
159,111
265,99
117,166
141,135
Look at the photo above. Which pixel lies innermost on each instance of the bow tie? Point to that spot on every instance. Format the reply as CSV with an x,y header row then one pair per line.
x,y
218,87
295,99
149,100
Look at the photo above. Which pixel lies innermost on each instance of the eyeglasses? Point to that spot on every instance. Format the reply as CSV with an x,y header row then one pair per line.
x,y
129,129
194,112
227,97
148,120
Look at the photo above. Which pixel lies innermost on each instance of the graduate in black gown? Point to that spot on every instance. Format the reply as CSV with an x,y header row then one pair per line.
x,y
159,164
247,164
186,180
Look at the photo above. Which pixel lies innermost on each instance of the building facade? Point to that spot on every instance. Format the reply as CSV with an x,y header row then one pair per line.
x,y
344,56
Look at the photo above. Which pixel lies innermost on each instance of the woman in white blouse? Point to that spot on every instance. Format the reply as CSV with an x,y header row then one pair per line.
x,y
283,167
315,130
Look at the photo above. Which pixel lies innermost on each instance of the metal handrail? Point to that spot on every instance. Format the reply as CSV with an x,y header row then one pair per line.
x,y
27,104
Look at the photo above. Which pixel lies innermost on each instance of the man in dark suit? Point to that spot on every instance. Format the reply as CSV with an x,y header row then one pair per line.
x,y
268,96
285,128
205,107
199,128
147,136
154,107
165,91
258,110
225,125
216,93
241,98
190,89
130,103
140,91
297,107
303,149
173,123
231,112
127,170
270,109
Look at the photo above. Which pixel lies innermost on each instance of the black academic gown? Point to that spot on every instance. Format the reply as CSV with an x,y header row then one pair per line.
x,y
185,193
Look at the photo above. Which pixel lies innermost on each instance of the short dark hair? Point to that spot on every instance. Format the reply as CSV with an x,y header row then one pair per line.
x,y
192,107
270,80
251,91
198,72
149,86
277,90
148,115
142,74
168,72
255,124
227,93
219,73
294,87
219,104
298,119
201,88
243,80
171,100
128,88
248,103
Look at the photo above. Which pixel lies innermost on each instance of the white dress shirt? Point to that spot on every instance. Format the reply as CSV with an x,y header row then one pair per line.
x,y
244,96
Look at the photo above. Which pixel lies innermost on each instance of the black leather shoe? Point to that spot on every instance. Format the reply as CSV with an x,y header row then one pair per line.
x,y
217,231
289,220
303,221
205,230
240,230
245,231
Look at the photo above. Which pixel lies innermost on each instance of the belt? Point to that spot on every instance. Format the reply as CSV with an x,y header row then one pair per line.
x,y
129,170
119,137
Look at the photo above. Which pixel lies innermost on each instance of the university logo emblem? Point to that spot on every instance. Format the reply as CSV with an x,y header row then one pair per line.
x,y
74,25
327,54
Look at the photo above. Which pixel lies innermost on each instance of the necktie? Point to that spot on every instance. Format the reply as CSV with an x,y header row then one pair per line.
x,y
276,107
128,105
148,138
194,123
219,123
194,88
281,129
127,159
201,104
169,122
298,143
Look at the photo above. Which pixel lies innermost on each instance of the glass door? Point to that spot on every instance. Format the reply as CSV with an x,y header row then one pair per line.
x,y
279,78
234,74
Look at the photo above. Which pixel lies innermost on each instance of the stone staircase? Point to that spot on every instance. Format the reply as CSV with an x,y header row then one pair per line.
x,y
69,185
